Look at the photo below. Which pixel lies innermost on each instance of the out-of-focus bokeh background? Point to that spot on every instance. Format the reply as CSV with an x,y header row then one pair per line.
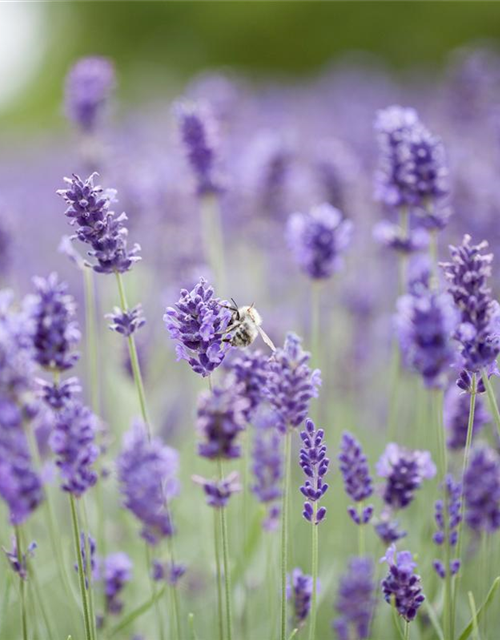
x,y
157,45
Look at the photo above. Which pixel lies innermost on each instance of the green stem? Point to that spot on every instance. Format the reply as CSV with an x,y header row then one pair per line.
x,y
134,360
491,399
24,622
312,627
449,626
81,574
361,532
407,630
218,572
211,226
244,521
155,598
468,442
88,572
225,558
284,531
175,595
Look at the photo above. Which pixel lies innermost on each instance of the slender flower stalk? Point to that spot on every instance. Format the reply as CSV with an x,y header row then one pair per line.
x,y
225,560
81,572
218,574
491,399
24,621
284,530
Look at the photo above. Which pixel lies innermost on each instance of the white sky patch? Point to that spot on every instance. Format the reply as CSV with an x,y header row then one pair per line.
x,y
22,45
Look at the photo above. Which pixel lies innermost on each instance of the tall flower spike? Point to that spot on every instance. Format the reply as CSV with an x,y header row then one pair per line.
x,y
479,330
448,519
356,474
404,470
73,442
83,551
318,239
199,323
412,165
250,371
314,464
56,331
456,417
356,600
300,588
401,584
117,572
218,492
198,133
482,491
98,226
147,471
89,84
221,417
426,323
291,384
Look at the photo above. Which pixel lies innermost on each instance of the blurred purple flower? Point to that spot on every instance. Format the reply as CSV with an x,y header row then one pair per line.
x,y
218,492
299,591
117,572
356,475
19,564
448,520
250,373
482,491
356,600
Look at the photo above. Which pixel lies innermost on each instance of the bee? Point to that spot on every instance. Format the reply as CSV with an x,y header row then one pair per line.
x,y
245,326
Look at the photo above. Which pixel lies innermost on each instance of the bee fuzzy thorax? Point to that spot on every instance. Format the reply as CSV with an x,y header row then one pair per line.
x,y
252,312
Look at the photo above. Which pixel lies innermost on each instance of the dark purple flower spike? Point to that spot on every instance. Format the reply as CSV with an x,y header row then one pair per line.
x,y
314,464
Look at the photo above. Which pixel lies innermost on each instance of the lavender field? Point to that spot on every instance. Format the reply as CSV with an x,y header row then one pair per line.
x,y
249,334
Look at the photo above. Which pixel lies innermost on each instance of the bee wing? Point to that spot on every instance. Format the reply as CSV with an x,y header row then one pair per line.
x,y
266,338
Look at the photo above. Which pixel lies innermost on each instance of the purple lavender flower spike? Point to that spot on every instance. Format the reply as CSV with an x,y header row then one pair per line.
x,y
356,600
482,491
57,394
267,466
97,226
299,591
401,584
356,476
221,417
218,492
56,331
404,470
19,566
126,322
117,572
198,133
147,471
449,519
388,531
73,442
291,384
479,330
250,372
199,323
169,572
318,239
89,84
314,464
425,324
412,165
456,417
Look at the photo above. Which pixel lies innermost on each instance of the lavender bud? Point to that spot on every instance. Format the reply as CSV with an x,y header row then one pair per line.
x,y
126,322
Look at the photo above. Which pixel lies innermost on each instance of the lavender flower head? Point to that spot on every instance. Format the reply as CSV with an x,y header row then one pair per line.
x,y
19,565
56,330
221,417
73,442
479,328
425,324
482,491
448,519
404,470
318,239
88,88
456,417
199,323
291,384
299,591
355,600
388,530
250,372
147,471
218,492
314,464
356,475
199,137
98,226
401,584
412,165
126,322
267,466
117,572
57,394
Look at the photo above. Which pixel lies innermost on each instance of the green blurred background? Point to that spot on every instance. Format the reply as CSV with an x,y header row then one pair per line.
x,y
156,45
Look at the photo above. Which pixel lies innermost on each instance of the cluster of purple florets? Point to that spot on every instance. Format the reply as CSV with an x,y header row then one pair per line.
x,y
356,475
315,465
